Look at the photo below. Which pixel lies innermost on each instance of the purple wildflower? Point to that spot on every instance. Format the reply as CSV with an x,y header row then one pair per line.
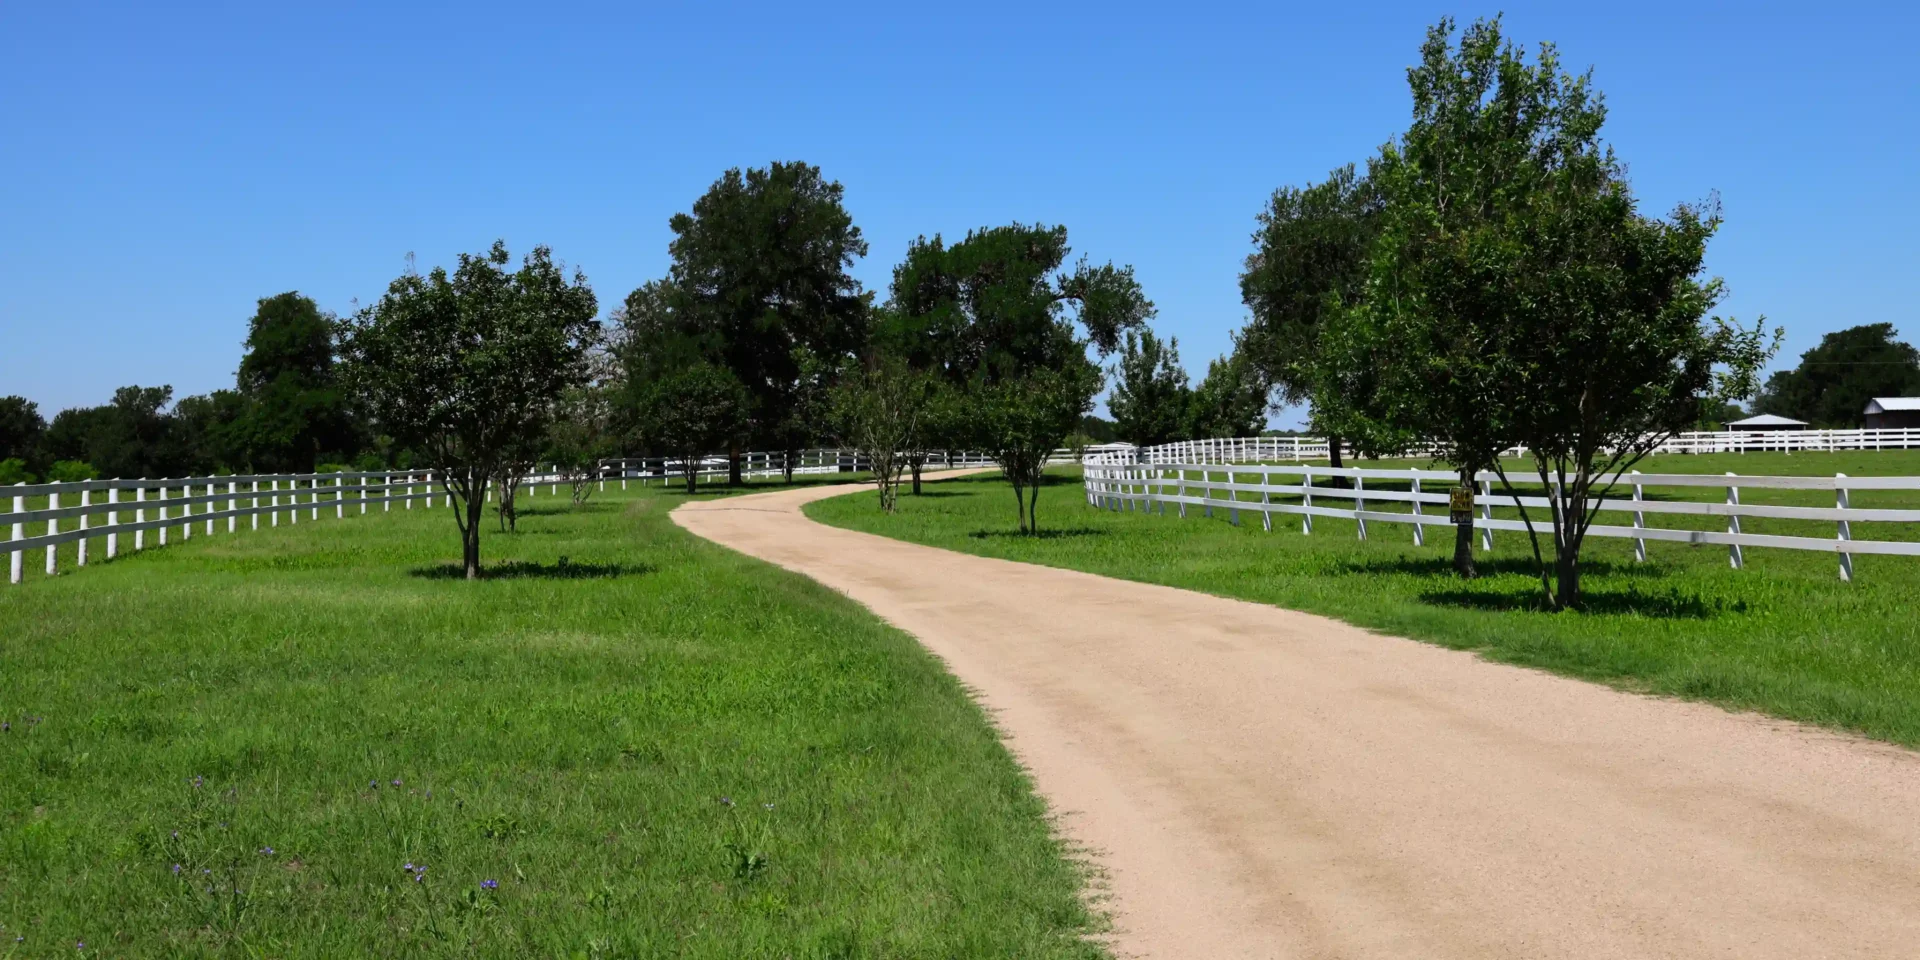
x,y
176,869
197,781
409,867
489,884
266,851
396,781
726,801
373,784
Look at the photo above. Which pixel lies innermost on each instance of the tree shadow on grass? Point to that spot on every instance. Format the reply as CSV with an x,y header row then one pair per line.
x,y
1669,605
528,570
1042,534
1488,566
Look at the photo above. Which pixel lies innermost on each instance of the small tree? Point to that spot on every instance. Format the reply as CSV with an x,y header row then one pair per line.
x,y
692,413
1022,421
466,367
879,410
580,437
1231,401
1151,402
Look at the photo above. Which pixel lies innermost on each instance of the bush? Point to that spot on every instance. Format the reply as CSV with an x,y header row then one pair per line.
x,y
14,470
71,471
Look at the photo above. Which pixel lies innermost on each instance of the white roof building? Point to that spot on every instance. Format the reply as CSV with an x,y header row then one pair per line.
x,y
1767,421
1892,404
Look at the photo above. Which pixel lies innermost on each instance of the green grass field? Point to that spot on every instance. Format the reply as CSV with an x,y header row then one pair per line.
x,y
1783,636
626,743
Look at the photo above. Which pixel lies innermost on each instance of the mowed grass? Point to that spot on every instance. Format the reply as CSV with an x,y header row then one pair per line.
x,y
1783,635
653,747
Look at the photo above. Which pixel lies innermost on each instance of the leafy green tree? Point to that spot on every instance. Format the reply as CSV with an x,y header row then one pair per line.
x,y
466,367
692,413
1022,420
1516,295
1834,381
295,409
71,471
760,285
1151,402
21,428
1231,401
580,436
132,436
1310,260
14,470
880,408
209,431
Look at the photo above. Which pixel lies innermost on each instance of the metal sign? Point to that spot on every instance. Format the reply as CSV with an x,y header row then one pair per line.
x,y
1460,505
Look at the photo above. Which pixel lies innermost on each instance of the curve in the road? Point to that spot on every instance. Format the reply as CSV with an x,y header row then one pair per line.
x,y
1257,782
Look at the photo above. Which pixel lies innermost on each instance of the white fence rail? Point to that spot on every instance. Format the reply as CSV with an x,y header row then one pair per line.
x,y
139,507
771,464
1214,486
1278,449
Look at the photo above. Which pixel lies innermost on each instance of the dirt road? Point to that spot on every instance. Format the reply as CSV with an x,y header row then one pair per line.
x,y
1264,783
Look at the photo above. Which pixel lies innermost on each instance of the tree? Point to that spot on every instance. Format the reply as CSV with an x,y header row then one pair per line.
x,y
991,310
879,409
692,413
1231,401
21,428
466,367
1023,419
580,436
209,431
759,285
132,436
295,409
1834,381
1516,296
1151,402
1310,260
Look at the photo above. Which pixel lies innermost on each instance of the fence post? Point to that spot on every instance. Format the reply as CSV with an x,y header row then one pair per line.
x,y
1306,498
1206,488
293,501
113,522
1639,523
186,510
86,500
210,507
232,504
162,529
1266,499
53,527
273,515
140,515
409,498
1841,500
19,532
1486,513
254,504
1183,492
1734,555
1233,512
1360,502
1419,529
339,495
313,484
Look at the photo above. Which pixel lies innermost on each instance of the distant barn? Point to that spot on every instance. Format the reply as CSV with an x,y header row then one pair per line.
x,y
1893,413
1765,422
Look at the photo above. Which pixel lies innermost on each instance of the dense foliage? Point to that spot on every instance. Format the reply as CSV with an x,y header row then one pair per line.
x,y
1833,381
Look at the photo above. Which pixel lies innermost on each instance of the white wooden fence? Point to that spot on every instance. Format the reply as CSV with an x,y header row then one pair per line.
x,y
74,511
1276,449
770,464
1114,484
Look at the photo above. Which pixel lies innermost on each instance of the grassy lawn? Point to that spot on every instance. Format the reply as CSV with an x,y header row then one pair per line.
x,y
650,748
1783,636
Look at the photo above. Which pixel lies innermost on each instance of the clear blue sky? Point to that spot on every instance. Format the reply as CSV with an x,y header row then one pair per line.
x,y
161,169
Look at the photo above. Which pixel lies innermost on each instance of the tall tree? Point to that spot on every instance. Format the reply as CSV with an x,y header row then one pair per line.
x,y
467,366
131,436
1151,402
760,284
1309,261
991,310
1516,295
1231,400
21,427
294,408
1834,381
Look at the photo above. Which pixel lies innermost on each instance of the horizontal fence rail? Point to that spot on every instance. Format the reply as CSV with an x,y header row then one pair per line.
x,y
1283,489
1272,449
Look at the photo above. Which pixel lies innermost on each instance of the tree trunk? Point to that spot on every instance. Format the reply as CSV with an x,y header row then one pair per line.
x,y
1567,572
470,540
917,461
1334,460
733,463
786,463
1463,539
693,470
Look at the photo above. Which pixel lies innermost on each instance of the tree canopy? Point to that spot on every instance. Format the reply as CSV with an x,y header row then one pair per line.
x,y
294,409
1151,402
467,366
